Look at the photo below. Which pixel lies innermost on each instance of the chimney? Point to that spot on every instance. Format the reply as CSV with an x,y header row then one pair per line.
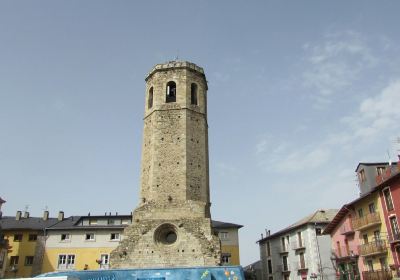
x,y
45,215
18,215
262,236
26,214
60,215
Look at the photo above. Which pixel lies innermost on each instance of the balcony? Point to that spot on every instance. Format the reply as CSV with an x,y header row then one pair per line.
x,y
346,252
283,268
367,221
394,238
298,245
347,230
301,266
284,250
373,248
377,275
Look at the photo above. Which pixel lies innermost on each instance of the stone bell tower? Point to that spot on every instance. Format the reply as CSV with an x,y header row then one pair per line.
x,y
172,224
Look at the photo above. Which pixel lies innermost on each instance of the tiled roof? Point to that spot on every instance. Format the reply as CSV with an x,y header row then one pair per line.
x,y
218,224
31,223
322,216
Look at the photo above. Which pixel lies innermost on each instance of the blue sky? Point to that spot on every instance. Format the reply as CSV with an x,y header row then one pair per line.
x,y
299,93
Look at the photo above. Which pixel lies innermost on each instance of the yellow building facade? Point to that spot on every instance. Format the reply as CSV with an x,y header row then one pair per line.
x,y
25,237
85,242
369,223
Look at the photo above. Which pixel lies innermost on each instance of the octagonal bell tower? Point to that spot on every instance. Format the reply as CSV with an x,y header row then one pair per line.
x,y
172,224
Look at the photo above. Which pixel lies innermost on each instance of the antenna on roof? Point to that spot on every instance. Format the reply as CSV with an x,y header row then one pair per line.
x,y
177,55
389,160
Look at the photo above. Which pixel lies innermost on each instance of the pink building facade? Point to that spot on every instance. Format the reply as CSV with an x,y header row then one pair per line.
x,y
345,244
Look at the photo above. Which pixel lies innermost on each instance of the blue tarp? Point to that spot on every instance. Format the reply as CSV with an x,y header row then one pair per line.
x,y
187,273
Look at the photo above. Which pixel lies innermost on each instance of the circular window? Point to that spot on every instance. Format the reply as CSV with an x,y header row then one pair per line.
x,y
166,234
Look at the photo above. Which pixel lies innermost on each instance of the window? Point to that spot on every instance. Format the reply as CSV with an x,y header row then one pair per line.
x,y
388,199
171,92
28,260
380,170
318,231
193,94
269,267
223,235
395,228
111,222
360,213
383,263
370,265
115,236
32,237
18,237
299,240
285,263
283,244
302,263
365,238
271,278
225,258
371,208
339,251
104,261
150,98
268,249
361,176
66,262
89,237
65,237
377,235
92,222
14,260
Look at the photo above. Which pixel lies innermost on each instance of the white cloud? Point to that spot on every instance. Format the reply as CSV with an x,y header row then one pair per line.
x,y
334,64
374,119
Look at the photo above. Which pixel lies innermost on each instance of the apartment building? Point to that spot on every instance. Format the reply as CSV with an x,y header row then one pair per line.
x,y
25,236
299,251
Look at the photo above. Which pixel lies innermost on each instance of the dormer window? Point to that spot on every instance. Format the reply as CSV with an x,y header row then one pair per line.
x,y
380,170
150,98
171,92
193,94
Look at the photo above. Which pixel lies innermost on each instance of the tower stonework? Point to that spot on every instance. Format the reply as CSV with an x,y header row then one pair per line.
x,y
172,224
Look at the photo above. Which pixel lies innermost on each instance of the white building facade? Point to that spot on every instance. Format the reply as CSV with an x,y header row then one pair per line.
x,y
299,251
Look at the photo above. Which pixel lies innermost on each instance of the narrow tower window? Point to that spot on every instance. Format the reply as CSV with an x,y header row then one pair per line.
x,y
193,94
171,92
150,100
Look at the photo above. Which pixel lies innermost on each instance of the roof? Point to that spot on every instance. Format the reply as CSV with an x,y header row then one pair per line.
x,y
72,222
322,216
31,223
374,164
345,208
218,224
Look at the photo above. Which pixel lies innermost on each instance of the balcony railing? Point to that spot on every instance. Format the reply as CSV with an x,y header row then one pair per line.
x,y
366,221
373,248
283,268
347,230
394,237
377,275
301,266
346,252
284,249
298,245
